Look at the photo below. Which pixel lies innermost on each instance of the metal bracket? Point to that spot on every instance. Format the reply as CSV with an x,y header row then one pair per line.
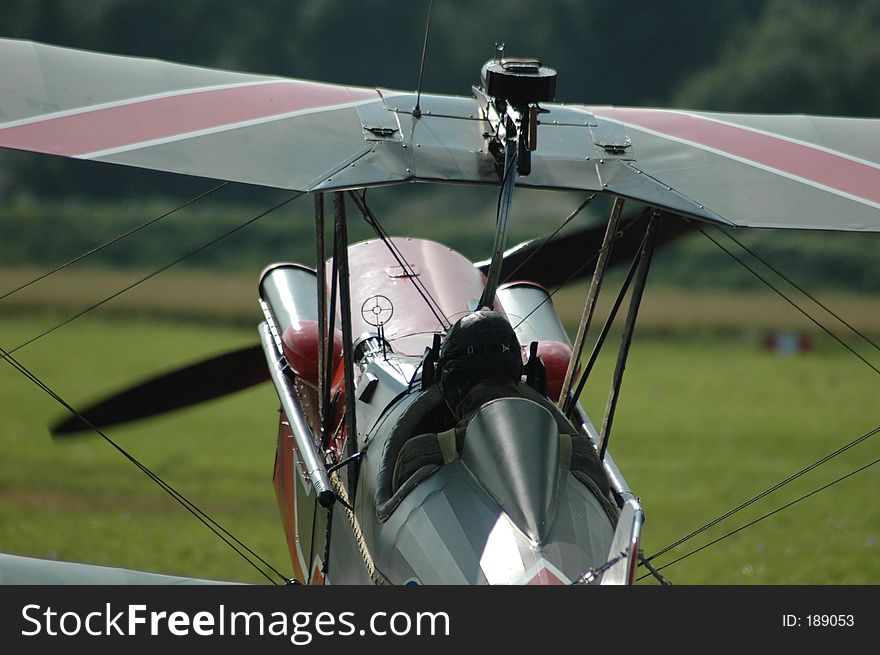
x,y
611,139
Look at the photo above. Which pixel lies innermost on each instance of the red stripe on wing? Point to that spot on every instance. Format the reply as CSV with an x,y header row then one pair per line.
x,y
800,160
160,118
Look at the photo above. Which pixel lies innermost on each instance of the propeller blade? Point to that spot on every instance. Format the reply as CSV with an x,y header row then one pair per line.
x,y
562,260
190,385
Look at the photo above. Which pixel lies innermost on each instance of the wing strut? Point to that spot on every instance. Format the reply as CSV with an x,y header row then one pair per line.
x,y
644,266
321,283
340,263
592,296
569,407
493,275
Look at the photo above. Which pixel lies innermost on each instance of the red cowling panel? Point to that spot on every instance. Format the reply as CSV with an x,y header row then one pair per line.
x,y
300,344
555,356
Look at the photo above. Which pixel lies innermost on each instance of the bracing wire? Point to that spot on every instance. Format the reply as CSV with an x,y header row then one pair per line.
x,y
502,220
590,260
228,538
852,444
154,273
803,471
419,286
548,238
417,110
794,284
234,543
790,302
115,239
767,515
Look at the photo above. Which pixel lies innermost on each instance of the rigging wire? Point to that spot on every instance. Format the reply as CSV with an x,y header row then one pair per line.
x,y
227,537
804,471
852,444
767,515
854,330
548,238
115,239
205,519
502,217
155,273
652,571
789,301
373,221
417,110
592,574
586,263
569,403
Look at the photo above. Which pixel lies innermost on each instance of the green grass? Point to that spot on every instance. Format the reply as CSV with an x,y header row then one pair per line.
x,y
707,423
704,423
81,500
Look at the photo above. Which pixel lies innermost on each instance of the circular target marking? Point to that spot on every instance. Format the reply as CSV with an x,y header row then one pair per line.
x,y
377,310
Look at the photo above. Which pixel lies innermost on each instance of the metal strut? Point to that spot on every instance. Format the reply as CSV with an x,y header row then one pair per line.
x,y
569,407
327,363
590,305
645,256
493,275
340,257
312,460
321,272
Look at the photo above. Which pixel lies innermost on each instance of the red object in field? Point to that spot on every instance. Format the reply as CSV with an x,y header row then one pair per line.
x,y
788,343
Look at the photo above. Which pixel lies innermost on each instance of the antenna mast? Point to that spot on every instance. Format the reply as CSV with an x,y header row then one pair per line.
x,y
417,110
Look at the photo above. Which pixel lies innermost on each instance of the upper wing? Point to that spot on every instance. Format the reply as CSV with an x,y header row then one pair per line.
x,y
744,170
758,170
182,119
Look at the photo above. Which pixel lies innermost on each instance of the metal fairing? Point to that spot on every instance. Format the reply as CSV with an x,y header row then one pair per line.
x,y
534,318
531,312
512,448
625,546
388,381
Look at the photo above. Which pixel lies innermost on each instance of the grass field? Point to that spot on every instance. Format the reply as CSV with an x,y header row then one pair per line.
x,y
707,420
81,500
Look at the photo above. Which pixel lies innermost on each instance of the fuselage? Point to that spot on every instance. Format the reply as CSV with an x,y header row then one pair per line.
x,y
512,492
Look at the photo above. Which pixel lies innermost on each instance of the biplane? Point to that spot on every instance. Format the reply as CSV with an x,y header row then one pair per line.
x,y
430,430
